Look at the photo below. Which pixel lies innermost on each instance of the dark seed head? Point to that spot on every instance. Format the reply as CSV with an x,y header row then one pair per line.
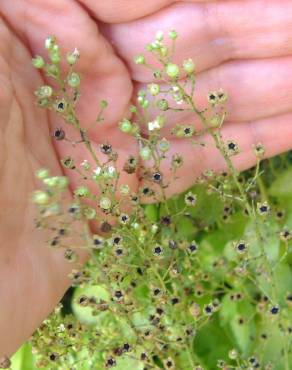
x,y
110,362
172,244
208,309
274,310
119,251
59,134
105,227
165,220
126,347
157,250
156,291
54,356
193,247
174,300
231,146
157,177
143,356
106,148
118,294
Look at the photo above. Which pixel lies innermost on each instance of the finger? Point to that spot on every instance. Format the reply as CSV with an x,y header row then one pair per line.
x,y
274,133
211,33
41,273
103,74
104,77
114,11
6,90
256,88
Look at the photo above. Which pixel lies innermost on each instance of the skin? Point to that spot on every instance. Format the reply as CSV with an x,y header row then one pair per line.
x,y
249,56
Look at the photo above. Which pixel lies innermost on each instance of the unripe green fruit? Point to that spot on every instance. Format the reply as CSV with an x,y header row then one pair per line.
x,y
164,145
154,89
74,79
145,153
38,62
44,91
139,59
172,70
162,104
173,34
42,173
125,126
40,197
124,189
81,191
55,57
105,203
189,66
73,57
89,213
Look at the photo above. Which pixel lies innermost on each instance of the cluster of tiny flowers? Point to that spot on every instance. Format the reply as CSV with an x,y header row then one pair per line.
x,y
161,276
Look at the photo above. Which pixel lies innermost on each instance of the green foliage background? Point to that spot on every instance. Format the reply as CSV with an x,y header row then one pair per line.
x,y
223,332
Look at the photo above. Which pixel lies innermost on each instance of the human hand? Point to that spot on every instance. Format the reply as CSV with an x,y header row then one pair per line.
x,y
240,58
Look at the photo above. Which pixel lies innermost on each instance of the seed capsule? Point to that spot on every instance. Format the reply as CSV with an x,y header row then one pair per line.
x,y
59,134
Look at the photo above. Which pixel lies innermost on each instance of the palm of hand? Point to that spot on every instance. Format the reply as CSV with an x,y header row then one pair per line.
x,y
33,279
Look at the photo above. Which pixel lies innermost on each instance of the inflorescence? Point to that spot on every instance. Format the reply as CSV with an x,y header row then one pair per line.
x,y
160,276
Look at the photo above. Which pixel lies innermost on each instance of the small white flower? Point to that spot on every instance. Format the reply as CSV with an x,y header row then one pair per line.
x,y
179,102
111,170
97,171
62,327
154,125
159,35
85,164
76,53
49,42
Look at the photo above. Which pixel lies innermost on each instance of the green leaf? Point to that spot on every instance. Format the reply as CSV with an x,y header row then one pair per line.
x,y
23,359
151,212
212,343
281,187
129,364
230,313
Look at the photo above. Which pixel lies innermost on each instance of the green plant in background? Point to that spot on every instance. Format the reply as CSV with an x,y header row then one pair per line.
x,y
201,281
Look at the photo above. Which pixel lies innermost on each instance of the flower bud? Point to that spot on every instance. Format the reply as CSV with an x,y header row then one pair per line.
x,y
189,66
50,42
173,35
154,229
73,57
159,35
